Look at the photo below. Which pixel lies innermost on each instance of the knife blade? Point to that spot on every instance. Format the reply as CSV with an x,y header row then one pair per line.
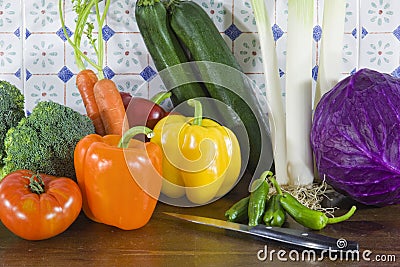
x,y
294,237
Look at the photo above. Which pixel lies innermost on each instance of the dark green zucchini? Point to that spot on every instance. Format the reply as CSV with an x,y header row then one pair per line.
x,y
197,32
165,50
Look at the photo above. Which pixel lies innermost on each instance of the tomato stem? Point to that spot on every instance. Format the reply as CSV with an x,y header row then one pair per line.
x,y
36,184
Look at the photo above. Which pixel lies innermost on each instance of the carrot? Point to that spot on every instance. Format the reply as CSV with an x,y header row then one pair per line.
x,y
85,81
110,106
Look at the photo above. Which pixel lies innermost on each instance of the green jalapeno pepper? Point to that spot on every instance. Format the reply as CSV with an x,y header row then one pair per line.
x,y
258,199
238,211
307,217
275,214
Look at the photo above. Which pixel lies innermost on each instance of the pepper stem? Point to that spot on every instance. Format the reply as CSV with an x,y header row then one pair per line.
x,y
343,217
257,183
198,111
36,184
276,185
160,97
128,135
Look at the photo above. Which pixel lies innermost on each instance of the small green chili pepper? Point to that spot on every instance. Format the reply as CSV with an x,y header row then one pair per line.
x,y
275,214
258,199
238,211
307,217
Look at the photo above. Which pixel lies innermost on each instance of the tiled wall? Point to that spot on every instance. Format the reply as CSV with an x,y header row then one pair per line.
x,y
35,56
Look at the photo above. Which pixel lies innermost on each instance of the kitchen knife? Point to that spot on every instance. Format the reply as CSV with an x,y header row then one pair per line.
x,y
294,237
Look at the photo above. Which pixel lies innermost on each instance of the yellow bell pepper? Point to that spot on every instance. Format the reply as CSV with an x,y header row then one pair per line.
x,y
202,159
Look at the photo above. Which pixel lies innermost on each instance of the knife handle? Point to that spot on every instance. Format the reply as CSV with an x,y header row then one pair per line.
x,y
304,239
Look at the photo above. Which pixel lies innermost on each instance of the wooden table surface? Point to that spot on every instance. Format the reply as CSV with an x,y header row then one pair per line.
x,y
166,241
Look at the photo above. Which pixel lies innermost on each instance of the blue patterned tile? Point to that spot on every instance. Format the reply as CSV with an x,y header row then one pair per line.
x,y
60,33
396,72
65,74
364,32
28,75
317,33
374,22
281,73
18,73
277,32
354,33
108,72
315,73
396,33
17,32
27,33
233,32
148,73
107,33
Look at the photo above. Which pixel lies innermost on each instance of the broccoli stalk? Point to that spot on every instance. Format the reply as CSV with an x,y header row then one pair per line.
x,y
45,140
11,111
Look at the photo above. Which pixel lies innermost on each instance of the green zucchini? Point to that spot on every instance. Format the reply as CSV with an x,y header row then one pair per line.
x,y
165,50
197,32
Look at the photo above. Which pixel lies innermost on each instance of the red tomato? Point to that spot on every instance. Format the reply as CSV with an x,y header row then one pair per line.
x,y
42,214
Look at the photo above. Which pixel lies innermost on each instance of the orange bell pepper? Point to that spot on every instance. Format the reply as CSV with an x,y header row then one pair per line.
x,y
120,178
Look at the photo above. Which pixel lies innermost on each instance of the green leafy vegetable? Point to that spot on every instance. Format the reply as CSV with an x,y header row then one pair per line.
x,y
45,140
11,110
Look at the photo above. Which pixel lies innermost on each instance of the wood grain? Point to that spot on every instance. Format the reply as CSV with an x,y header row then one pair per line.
x,y
166,241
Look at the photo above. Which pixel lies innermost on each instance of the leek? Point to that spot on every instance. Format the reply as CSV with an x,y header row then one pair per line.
x,y
299,91
330,64
273,89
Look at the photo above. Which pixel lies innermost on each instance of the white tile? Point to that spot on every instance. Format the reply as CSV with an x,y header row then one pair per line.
x,y
10,18
43,88
73,98
281,14
10,53
133,84
44,53
243,16
248,53
86,49
122,16
351,19
380,52
259,89
127,53
220,12
42,16
380,15
350,53
281,45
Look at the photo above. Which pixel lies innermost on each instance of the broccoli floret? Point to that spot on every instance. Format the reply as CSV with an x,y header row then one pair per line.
x,y
11,110
45,140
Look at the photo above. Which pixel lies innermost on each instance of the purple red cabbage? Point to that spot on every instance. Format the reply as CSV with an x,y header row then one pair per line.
x,y
355,137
